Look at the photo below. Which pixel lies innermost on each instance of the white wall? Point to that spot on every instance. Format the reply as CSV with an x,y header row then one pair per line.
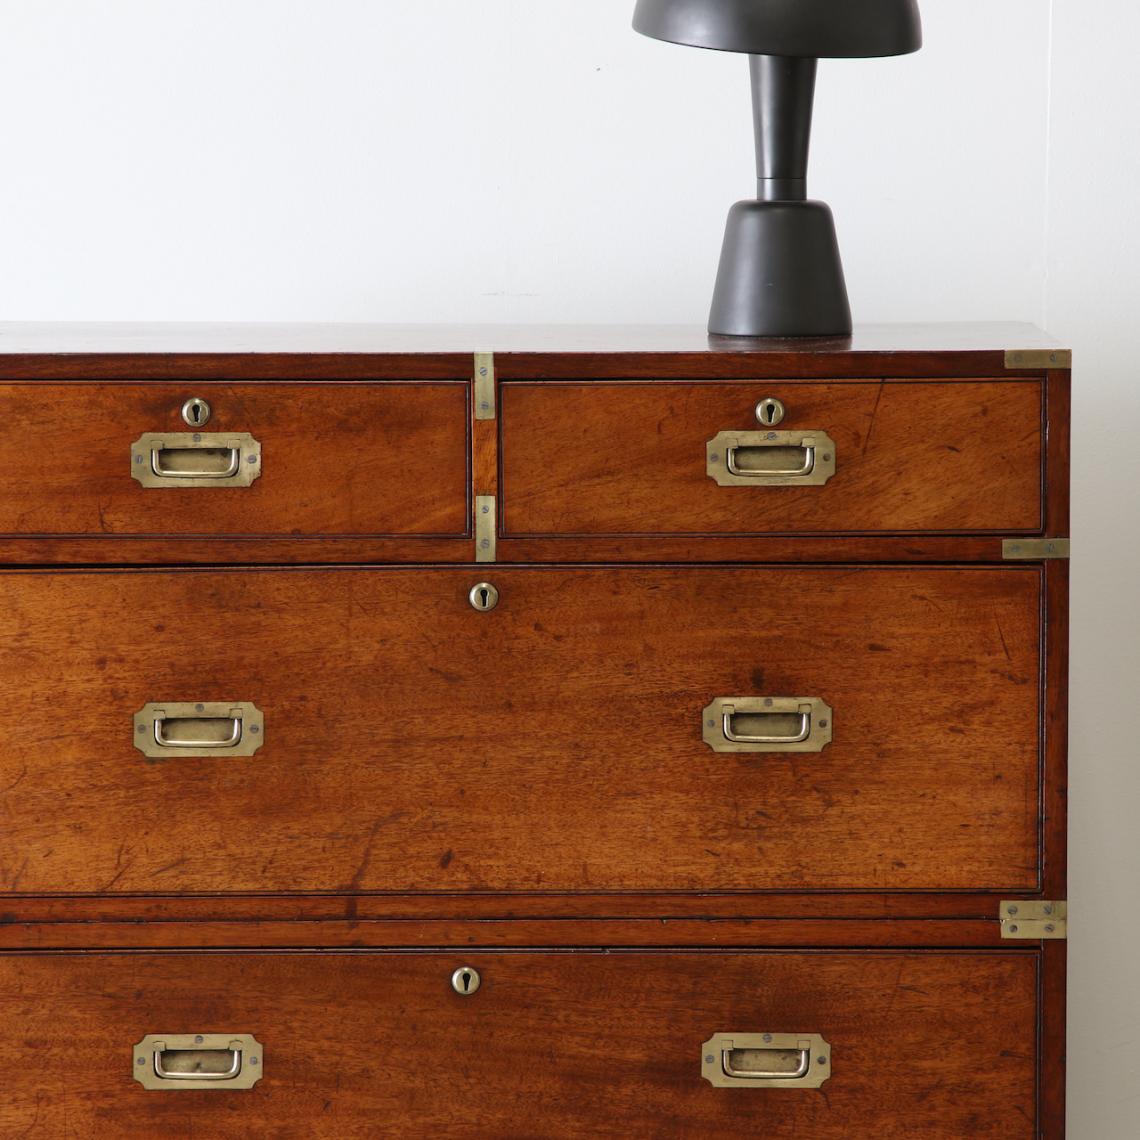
x,y
1092,300
503,160
484,160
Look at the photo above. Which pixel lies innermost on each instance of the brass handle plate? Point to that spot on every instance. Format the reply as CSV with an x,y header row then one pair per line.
x,y
204,729
178,1062
766,1061
196,459
771,458
767,724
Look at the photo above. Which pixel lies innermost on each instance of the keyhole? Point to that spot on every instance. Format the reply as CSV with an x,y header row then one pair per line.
x,y
465,981
770,412
196,412
483,596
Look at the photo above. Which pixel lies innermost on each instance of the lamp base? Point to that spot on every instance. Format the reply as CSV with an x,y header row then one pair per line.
x,y
780,273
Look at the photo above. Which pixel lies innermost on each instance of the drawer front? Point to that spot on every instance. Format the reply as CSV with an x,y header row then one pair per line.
x,y
272,460
932,1044
559,742
860,457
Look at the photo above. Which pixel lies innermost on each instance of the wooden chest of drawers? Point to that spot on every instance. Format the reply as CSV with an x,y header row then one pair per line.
x,y
546,733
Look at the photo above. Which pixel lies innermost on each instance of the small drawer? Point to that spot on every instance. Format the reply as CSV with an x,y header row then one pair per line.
x,y
610,729
253,460
771,458
833,1045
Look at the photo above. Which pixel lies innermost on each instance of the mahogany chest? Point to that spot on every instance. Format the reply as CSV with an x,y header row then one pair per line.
x,y
532,733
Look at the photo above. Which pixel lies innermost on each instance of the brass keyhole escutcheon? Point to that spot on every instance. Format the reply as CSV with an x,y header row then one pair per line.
x,y
483,597
196,412
465,981
770,412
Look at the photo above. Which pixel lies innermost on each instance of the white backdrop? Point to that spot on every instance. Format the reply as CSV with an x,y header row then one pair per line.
x,y
514,160
485,160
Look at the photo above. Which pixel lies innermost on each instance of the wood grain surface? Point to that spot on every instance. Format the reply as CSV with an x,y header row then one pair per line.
x,y
600,458
554,744
337,460
939,1045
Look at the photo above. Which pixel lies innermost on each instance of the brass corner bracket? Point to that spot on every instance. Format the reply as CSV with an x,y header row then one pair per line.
x,y
1034,549
1043,358
1034,921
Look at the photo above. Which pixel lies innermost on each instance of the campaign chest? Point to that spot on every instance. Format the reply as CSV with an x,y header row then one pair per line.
x,y
532,733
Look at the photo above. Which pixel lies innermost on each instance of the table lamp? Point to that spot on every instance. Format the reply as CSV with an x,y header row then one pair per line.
x,y
780,271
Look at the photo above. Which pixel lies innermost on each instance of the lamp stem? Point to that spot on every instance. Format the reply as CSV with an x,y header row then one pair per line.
x,y
783,92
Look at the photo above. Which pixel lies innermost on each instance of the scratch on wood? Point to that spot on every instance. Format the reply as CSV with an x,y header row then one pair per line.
x,y
19,875
366,859
1001,634
874,413
896,987
117,875
17,781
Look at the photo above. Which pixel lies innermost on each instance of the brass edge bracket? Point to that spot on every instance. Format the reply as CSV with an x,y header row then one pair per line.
x,y
1034,549
1034,921
1033,358
484,385
485,528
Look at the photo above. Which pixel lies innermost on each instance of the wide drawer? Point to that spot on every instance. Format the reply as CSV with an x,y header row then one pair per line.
x,y
562,741
895,1045
692,458
266,460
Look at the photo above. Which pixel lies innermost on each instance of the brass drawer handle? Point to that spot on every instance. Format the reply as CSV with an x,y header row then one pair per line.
x,y
197,1057
805,469
771,458
177,1062
767,724
194,459
766,1060
205,459
163,741
796,738
204,729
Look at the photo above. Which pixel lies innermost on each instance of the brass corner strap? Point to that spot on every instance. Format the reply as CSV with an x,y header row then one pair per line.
x,y
1034,549
1034,358
485,385
1034,921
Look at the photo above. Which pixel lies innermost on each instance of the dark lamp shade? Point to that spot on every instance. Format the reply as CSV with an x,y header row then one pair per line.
x,y
838,29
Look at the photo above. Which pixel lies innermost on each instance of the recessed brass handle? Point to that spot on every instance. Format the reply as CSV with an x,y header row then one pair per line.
x,y
771,458
748,1064
216,1061
767,724
207,728
766,1061
205,463
232,741
797,736
200,1060
195,459
732,457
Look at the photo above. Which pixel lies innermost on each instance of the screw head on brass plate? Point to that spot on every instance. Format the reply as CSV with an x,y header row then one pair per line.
x,y
196,412
770,412
465,981
483,597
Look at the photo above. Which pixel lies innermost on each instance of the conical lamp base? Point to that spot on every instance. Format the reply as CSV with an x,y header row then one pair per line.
x,y
780,273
